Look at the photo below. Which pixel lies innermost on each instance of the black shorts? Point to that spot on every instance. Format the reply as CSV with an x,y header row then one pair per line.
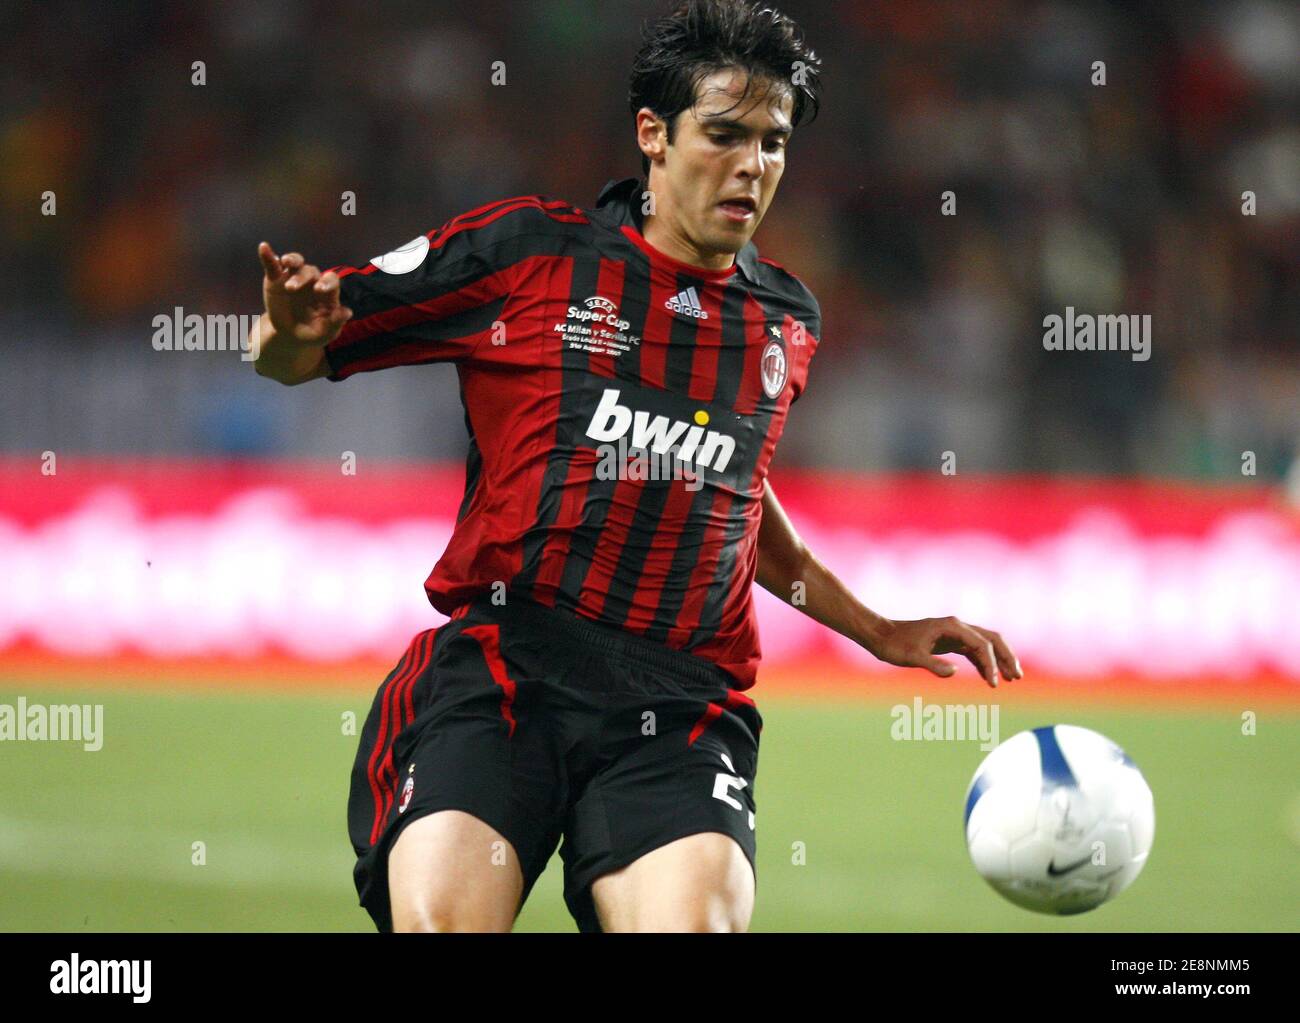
x,y
546,725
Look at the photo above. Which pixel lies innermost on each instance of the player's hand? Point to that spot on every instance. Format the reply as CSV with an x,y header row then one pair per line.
x,y
915,644
302,303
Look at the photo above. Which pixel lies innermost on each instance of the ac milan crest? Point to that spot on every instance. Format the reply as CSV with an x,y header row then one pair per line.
x,y
772,368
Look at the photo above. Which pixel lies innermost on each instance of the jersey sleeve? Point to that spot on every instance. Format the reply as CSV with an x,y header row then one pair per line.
x,y
805,335
435,298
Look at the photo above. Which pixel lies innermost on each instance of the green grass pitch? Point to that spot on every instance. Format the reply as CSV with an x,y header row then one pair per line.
x,y
94,841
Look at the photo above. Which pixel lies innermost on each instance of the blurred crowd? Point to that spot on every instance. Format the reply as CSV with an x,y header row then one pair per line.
x,y
1122,197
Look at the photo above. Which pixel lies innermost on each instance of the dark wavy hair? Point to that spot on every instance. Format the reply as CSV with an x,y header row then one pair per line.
x,y
700,37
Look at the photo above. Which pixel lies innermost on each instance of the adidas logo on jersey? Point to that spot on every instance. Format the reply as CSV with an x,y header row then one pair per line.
x,y
687,303
688,443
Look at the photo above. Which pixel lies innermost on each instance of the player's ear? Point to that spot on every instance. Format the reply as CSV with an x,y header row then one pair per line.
x,y
651,134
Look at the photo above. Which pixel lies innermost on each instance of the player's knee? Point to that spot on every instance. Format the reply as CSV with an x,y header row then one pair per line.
x,y
726,905
443,912
447,874
703,884
425,916
443,907
717,914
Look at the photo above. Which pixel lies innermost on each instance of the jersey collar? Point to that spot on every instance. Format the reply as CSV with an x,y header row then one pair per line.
x,y
619,205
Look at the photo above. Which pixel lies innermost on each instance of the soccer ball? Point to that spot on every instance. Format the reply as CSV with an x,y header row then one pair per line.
x,y
1059,819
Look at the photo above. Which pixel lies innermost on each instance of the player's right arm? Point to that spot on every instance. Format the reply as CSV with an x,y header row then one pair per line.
x,y
435,299
303,314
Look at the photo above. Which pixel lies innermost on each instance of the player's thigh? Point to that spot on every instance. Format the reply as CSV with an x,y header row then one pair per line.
x,y
703,882
450,871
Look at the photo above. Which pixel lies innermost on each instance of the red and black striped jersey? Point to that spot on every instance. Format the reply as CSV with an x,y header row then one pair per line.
x,y
622,410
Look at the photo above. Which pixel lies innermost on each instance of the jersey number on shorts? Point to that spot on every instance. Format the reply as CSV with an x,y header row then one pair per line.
x,y
722,782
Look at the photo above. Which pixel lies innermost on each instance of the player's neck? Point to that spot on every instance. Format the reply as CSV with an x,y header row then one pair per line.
x,y
664,236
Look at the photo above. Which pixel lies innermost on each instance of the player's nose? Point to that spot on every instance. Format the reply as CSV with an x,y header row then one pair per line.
x,y
751,159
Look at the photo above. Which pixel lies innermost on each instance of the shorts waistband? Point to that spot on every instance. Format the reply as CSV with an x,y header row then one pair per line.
x,y
595,635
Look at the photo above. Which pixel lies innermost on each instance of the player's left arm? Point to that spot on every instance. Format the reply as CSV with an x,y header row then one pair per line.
x,y
784,560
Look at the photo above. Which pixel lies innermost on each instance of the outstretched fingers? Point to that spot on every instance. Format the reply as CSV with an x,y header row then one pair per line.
x,y
271,265
958,637
940,667
1008,662
302,278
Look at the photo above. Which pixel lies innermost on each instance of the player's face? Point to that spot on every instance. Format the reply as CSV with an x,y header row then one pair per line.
x,y
724,151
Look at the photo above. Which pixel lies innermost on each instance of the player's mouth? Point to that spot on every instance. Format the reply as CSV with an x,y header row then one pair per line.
x,y
739,209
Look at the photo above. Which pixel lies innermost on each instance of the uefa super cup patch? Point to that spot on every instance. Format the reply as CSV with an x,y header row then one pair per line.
x,y
597,327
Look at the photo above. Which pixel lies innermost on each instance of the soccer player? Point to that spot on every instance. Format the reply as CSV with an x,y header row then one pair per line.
x,y
590,682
